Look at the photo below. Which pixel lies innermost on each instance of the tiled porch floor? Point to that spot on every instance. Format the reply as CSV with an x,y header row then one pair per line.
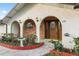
x,y
34,52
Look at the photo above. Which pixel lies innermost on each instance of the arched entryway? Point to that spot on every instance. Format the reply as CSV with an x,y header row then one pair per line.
x,y
15,29
51,28
29,28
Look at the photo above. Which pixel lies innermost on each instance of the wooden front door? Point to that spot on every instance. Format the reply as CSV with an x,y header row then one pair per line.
x,y
51,30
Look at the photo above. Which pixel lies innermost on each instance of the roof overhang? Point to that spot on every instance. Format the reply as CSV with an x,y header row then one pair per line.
x,y
13,12
18,7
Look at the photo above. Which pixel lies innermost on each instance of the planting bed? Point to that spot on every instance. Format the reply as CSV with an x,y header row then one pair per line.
x,y
22,48
61,53
57,53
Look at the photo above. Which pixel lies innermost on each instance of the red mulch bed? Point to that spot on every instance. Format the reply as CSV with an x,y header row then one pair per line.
x,y
22,48
61,53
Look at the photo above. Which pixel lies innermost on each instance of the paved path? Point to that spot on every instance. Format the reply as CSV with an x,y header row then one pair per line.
x,y
34,52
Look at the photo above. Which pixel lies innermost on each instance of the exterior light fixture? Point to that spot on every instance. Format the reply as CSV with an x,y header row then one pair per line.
x,y
20,21
37,19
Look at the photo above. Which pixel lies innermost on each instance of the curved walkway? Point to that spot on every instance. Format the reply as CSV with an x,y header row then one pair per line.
x,y
34,52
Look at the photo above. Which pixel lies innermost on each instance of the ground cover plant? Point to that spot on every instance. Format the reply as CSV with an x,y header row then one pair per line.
x,y
29,41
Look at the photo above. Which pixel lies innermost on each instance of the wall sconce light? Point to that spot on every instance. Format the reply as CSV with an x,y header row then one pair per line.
x,y
20,21
37,19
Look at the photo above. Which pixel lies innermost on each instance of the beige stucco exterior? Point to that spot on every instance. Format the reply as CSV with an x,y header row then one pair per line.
x,y
69,19
2,29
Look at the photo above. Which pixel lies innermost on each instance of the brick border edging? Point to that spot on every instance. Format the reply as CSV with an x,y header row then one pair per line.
x,y
62,53
22,48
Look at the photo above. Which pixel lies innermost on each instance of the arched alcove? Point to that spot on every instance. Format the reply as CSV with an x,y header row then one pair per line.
x,y
29,28
50,28
15,29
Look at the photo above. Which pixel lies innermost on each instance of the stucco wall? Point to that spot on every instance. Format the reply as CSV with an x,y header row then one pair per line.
x,y
2,29
68,18
15,29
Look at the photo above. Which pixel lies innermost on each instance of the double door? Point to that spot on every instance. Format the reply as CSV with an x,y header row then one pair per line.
x,y
51,30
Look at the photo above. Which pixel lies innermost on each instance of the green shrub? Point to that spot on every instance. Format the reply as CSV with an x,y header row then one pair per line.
x,y
58,46
76,46
31,38
10,40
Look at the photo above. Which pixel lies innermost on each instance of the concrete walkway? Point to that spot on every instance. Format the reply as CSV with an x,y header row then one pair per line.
x,y
34,52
